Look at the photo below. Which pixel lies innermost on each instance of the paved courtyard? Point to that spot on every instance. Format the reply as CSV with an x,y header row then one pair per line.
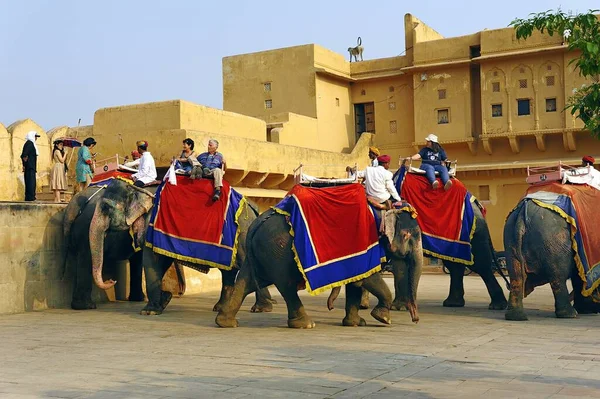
x,y
471,352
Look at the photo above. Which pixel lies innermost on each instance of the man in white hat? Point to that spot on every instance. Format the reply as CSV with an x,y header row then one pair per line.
x,y
433,158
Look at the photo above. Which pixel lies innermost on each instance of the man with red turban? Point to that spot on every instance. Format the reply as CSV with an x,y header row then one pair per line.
x,y
378,181
588,160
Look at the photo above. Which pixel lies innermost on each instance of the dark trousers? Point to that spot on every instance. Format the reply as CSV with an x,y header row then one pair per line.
x,y
29,185
138,183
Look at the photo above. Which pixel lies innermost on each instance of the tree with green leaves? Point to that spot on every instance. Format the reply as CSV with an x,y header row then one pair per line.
x,y
581,32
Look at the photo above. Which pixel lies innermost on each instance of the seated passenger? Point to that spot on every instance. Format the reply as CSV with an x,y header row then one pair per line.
x,y
588,160
373,154
147,168
378,181
188,158
433,159
213,165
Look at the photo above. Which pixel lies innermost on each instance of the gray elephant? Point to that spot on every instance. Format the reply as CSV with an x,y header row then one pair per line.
x,y
484,259
155,266
538,249
270,260
94,241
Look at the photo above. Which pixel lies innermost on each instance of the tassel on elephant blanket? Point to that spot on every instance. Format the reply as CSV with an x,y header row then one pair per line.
x,y
446,218
335,235
577,205
186,224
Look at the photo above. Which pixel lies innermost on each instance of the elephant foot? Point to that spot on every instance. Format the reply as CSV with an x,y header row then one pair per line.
x,y
399,305
516,314
382,315
568,313
353,322
137,297
262,307
83,305
226,322
150,310
301,322
454,302
498,305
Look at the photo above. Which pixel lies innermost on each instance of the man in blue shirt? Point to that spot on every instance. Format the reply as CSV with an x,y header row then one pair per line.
x,y
213,165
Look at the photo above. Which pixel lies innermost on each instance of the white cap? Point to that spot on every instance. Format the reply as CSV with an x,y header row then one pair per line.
x,y
432,137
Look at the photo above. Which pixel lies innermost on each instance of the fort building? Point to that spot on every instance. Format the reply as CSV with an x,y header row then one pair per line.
x,y
496,103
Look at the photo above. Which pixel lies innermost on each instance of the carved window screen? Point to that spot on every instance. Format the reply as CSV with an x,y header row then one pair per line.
x,y
496,87
522,83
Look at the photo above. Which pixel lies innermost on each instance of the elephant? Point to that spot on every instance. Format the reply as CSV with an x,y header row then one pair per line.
x,y
92,244
270,260
155,266
538,248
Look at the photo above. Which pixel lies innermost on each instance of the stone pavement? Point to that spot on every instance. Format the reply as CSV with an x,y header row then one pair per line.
x,y
471,352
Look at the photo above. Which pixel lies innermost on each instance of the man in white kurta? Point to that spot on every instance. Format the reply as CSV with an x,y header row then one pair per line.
x,y
378,181
147,168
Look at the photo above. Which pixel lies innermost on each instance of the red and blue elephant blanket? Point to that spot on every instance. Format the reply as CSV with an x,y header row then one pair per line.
x,y
335,238
186,224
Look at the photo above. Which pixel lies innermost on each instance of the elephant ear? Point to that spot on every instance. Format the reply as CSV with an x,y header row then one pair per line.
x,y
390,224
141,204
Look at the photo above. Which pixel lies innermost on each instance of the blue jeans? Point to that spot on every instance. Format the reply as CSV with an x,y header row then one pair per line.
x,y
431,169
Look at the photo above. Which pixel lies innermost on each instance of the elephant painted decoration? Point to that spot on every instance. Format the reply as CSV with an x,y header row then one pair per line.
x,y
539,250
97,227
270,260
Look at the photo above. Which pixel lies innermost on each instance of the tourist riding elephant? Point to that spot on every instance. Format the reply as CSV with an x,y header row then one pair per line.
x,y
538,248
155,266
271,260
98,226
484,259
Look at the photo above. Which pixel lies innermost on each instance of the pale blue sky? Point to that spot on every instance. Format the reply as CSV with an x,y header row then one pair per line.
x,y
63,59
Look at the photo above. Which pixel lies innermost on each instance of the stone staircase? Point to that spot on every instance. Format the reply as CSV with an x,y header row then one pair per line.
x,y
47,195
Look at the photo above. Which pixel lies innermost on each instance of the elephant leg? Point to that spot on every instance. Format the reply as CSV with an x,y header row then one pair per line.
x,y
264,302
456,296
364,299
297,316
353,296
135,277
227,283
243,286
483,263
562,304
82,290
375,285
155,267
401,286
517,276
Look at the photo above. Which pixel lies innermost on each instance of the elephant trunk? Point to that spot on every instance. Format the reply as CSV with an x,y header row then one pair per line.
x,y
98,227
414,275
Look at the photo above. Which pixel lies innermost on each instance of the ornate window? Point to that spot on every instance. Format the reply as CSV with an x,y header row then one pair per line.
x,y
496,110
441,94
267,86
393,127
551,105
268,104
550,80
522,83
496,87
392,105
443,116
